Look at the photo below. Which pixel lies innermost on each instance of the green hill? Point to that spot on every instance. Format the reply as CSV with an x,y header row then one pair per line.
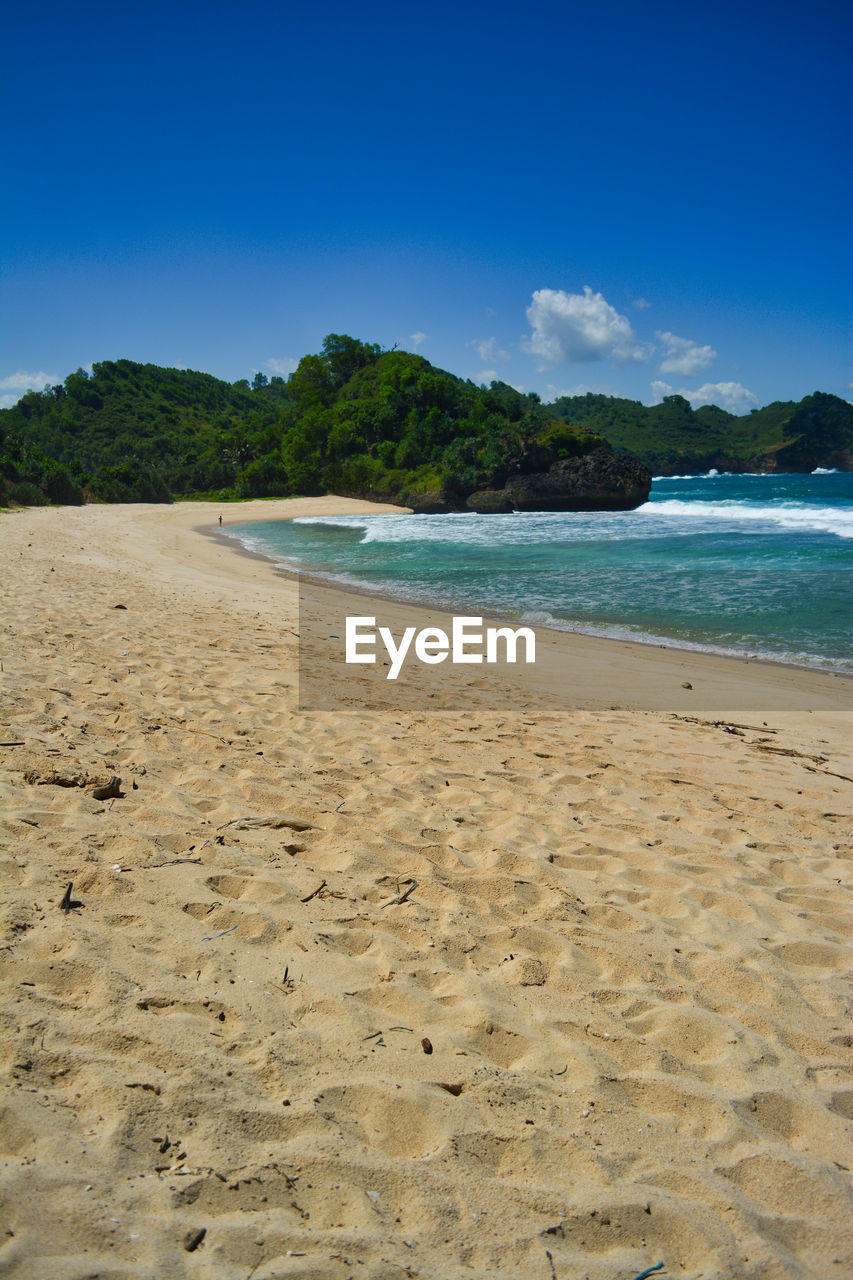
x,y
353,419
672,437
133,432
357,420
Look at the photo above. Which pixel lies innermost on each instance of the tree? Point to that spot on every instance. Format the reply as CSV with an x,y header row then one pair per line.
x,y
344,356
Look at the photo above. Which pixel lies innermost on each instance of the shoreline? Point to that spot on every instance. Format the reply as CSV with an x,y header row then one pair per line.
x,y
321,580
603,672
176,536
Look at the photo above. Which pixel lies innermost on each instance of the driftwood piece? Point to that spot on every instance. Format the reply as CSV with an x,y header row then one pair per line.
x,y
276,821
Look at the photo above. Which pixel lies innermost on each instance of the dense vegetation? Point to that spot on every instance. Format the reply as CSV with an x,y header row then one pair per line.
x,y
134,433
353,419
672,437
358,420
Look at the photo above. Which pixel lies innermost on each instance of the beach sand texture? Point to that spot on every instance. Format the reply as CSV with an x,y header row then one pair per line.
x,y
607,1028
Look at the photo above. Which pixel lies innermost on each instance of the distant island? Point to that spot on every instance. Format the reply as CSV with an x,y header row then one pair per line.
x,y
356,420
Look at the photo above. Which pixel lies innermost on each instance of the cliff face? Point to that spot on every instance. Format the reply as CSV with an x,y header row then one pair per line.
x,y
819,434
598,481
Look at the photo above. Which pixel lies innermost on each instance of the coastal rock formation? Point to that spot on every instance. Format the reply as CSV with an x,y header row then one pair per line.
x,y
599,481
489,502
430,504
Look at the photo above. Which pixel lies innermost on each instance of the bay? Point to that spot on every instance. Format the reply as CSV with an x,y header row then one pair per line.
x,y
738,564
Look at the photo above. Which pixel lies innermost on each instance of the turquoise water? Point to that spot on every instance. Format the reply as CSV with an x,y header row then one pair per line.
x,y
736,564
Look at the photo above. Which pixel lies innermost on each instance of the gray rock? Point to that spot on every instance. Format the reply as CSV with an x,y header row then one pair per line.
x,y
430,504
490,501
599,481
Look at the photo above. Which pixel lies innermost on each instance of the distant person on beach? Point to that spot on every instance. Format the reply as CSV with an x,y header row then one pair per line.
x,y
220,522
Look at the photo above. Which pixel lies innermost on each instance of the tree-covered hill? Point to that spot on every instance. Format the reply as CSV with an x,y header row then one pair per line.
x,y
133,432
355,419
672,437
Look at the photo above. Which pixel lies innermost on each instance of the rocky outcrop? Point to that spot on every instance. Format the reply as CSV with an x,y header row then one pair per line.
x,y
430,504
599,481
489,502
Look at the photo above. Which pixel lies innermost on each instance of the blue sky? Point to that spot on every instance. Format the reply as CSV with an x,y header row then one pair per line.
x,y
624,197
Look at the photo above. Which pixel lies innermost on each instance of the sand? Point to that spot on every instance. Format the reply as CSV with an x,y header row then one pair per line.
x,y
605,1029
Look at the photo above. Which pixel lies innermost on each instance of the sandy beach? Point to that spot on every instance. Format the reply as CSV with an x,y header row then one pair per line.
x,y
607,1027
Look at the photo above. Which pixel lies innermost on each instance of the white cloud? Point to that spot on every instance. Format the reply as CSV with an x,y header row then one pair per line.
x,y
284,366
642,304
489,351
417,338
577,328
684,356
728,395
17,384
22,381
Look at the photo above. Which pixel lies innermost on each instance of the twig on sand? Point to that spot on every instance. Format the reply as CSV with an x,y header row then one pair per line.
x,y
732,724
172,862
403,897
551,1260
789,751
314,892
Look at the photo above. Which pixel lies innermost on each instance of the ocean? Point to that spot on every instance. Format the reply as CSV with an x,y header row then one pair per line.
x,y
735,564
